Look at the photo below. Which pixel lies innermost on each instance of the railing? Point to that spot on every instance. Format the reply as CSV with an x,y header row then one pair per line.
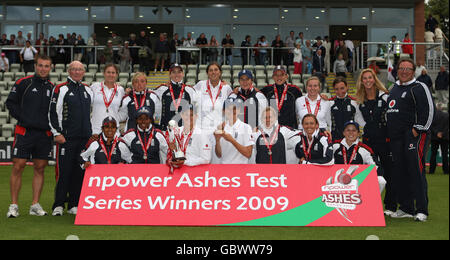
x,y
433,51
94,49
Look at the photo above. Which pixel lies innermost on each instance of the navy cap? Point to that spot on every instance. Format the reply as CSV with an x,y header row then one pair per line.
x,y
108,120
351,122
246,73
279,67
144,111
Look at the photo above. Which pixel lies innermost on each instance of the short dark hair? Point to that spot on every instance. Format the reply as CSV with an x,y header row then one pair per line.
x,y
43,57
406,59
339,79
213,63
310,115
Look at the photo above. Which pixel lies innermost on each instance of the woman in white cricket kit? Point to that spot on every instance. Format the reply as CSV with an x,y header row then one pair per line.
x,y
234,140
107,96
313,103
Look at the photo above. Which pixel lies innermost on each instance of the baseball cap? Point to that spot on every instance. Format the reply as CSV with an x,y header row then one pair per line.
x,y
246,73
144,111
279,67
351,122
109,119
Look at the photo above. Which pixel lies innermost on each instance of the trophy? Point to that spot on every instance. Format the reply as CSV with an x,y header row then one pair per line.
x,y
173,132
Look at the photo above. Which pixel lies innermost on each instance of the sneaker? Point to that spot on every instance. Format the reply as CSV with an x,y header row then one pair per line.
x,y
58,211
73,210
388,213
36,210
420,217
401,214
13,211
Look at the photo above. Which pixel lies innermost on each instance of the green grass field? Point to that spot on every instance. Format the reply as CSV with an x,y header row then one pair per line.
x,y
49,227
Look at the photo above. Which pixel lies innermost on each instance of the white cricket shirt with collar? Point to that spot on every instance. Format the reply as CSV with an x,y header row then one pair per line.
x,y
99,108
323,115
209,115
242,133
200,147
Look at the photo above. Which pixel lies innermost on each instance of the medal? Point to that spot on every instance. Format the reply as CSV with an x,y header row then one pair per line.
x,y
283,96
145,145
177,102
135,101
352,157
309,107
208,89
307,151
271,143
108,102
113,146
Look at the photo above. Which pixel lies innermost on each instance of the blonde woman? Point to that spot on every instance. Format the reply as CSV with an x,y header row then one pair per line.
x,y
139,97
372,97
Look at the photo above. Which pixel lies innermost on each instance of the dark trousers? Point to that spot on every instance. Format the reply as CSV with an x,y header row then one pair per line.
x,y
382,152
28,66
444,150
408,175
69,175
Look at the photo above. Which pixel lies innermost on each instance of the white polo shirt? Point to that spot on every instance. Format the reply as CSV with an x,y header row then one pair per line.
x,y
210,103
99,110
323,111
242,133
28,53
200,147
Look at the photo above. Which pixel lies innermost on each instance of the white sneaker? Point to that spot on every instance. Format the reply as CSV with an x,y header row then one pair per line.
x,y
13,211
401,214
58,211
36,210
388,213
73,211
420,217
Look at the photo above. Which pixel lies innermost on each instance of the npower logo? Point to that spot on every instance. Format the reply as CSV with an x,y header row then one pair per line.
x,y
341,192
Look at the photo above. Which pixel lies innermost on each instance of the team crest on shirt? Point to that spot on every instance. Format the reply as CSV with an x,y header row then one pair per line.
x,y
392,104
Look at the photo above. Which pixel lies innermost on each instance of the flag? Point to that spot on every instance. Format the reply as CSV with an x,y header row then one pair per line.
x,y
390,77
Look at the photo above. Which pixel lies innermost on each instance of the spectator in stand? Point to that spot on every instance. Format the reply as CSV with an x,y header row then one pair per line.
x,y
108,53
374,67
419,69
4,40
187,55
339,67
92,41
319,66
52,49
290,43
300,39
162,52
61,51
13,55
174,43
425,78
29,38
4,63
125,57
277,44
245,52
78,52
134,52
441,85
41,41
20,40
27,56
439,138
429,38
327,45
202,42
298,59
438,38
228,43
431,23
213,52
262,52
408,48
307,53
116,42
342,49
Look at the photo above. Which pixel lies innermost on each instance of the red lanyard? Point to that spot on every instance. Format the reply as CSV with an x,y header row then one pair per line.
x,y
142,100
185,144
283,96
309,107
108,155
146,145
269,145
108,102
352,157
208,89
307,152
177,102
